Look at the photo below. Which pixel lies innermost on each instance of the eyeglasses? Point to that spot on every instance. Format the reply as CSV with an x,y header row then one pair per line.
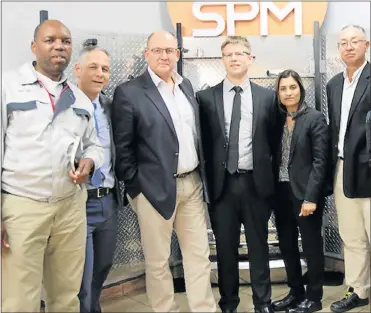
x,y
353,43
238,54
159,51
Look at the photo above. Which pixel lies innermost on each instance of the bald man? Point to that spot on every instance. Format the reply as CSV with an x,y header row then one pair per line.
x,y
159,157
43,196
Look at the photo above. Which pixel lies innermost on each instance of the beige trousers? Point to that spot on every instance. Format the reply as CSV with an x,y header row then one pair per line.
x,y
189,223
354,228
47,245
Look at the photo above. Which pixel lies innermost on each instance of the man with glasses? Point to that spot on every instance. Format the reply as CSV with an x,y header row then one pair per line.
x,y
349,100
156,130
237,122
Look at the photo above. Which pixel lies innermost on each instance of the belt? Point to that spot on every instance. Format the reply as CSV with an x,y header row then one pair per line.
x,y
241,172
182,175
341,158
98,193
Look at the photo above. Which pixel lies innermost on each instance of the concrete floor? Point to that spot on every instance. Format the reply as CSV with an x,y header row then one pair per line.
x,y
138,302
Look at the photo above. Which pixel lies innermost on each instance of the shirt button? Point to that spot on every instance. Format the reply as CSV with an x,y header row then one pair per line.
x,y
223,163
225,146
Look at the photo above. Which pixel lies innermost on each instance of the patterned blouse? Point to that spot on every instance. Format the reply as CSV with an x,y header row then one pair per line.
x,y
285,153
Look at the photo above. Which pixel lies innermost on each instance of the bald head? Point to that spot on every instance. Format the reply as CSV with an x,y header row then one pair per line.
x,y
48,23
160,35
52,47
162,54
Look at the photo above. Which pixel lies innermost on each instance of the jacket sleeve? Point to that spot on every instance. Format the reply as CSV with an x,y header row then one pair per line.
x,y
319,135
124,136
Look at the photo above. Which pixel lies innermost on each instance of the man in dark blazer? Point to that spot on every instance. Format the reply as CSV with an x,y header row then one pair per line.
x,y
159,157
349,100
104,199
237,124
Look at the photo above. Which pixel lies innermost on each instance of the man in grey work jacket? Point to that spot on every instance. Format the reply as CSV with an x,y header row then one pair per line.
x,y
46,121
93,72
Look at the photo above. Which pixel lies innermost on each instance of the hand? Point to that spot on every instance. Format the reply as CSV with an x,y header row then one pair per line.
x,y
307,208
4,241
81,175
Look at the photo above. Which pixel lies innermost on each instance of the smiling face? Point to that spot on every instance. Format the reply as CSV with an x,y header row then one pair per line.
x,y
93,72
52,48
236,59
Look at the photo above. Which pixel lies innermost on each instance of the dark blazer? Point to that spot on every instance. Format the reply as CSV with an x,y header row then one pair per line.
x,y
106,104
146,142
357,173
215,142
309,156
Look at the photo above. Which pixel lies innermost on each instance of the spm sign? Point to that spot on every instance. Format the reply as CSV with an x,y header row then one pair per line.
x,y
211,19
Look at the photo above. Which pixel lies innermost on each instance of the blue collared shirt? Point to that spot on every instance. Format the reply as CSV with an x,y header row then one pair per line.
x,y
103,131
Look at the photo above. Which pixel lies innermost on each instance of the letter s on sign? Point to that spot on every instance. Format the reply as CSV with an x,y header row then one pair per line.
x,y
207,32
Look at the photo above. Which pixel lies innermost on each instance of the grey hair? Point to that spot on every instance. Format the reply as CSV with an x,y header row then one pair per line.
x,y
87,49
354,26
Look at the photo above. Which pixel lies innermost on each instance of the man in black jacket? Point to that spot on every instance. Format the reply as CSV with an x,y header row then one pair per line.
x,y
159,157
349,100
93,72
237,122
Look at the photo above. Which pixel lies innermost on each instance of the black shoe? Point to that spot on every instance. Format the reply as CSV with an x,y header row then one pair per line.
x,y
307,306
229,311
288,302
265,309
350,301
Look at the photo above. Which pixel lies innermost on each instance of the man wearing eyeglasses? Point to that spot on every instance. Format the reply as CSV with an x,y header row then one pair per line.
x,y
237,122
349,100
156,130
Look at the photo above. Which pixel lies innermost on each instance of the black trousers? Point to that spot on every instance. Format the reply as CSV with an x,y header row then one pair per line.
x,y
287,209
238,204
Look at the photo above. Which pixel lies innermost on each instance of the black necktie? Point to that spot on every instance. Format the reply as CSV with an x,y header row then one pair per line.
x,y
232,164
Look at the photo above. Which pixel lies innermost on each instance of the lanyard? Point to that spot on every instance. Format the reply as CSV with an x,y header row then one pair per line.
x,y
50,95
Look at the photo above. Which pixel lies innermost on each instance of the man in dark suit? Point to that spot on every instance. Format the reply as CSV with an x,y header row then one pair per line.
x,y
159,157
93,72
349,100
237,123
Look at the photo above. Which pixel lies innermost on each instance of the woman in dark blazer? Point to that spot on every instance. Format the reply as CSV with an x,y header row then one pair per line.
x,y
302,158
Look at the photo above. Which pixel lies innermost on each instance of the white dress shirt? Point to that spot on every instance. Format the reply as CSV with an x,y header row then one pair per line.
x,y
245,158
183,116
348,92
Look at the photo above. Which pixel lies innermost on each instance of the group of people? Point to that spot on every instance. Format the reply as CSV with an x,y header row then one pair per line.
x,y
242,149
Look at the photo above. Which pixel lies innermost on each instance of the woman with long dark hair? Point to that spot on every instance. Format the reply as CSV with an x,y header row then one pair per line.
x,y
302,159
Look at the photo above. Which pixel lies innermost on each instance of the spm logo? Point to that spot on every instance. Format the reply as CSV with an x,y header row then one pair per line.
x,y
211,19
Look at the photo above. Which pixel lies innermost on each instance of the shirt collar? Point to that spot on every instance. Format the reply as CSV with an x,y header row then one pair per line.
x,y
29,76
96,102
356,74
228,85
157,80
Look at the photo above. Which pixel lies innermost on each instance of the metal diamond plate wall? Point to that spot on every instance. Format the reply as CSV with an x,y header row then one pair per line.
x,y
209,72
127,62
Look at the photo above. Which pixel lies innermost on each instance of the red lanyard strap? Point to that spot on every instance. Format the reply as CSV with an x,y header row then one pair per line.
x,y
50,95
